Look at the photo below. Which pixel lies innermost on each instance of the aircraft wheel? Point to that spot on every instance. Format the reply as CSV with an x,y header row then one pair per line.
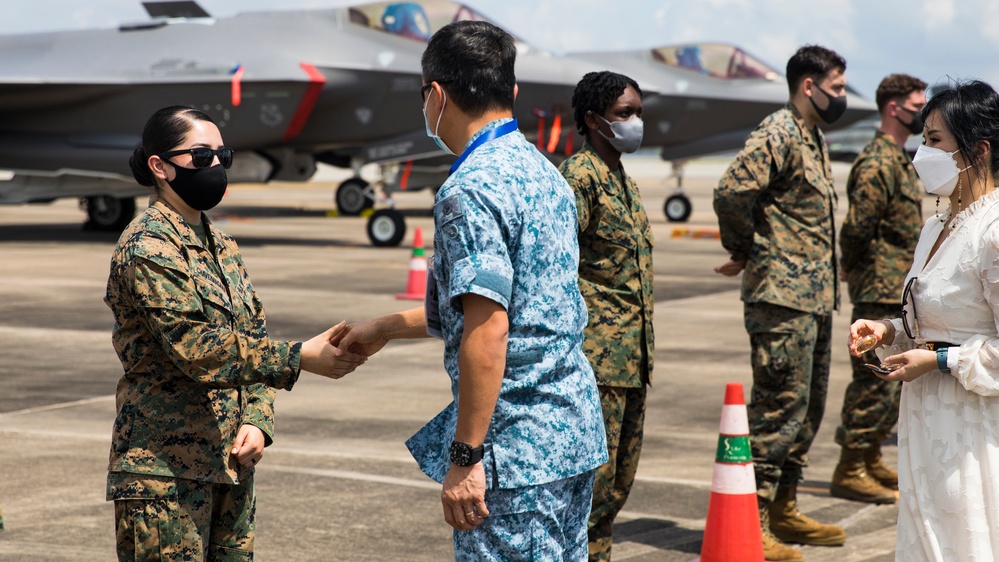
x,y
352,197
108,213
386,227
677,208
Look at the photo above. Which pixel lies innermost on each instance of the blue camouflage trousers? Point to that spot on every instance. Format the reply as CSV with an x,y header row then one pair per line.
x,y
544,523
790,357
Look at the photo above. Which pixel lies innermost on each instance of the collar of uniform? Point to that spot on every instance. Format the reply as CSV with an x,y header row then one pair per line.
x,y
598,162
800,121
179,224
486,128
897,151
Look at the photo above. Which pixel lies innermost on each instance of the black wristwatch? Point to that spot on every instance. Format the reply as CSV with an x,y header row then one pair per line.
x,y
463,454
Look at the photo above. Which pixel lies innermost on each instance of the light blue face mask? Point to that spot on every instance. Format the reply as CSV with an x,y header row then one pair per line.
x,y
433,134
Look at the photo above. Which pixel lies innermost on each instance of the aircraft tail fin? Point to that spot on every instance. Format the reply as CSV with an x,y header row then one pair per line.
x,y
182,9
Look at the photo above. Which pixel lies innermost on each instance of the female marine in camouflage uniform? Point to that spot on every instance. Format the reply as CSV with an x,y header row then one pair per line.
x,y
195,404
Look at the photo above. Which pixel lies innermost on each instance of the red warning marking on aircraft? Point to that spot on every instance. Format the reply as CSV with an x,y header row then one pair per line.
x,y
309,99
237,89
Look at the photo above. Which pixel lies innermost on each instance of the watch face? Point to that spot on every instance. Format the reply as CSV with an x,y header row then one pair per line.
x,y
461,454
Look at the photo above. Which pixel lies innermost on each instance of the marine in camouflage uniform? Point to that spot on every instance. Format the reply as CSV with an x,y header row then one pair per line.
x,y
190,333
775,206
877,242
615,278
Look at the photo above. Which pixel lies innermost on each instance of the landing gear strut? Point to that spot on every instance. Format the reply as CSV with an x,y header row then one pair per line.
x,y
677,206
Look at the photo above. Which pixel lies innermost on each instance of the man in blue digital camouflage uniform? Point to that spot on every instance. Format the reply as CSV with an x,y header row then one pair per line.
x,y
517,448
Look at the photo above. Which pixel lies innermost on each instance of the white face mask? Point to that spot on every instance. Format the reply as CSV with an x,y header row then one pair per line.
x,y
437,139
937,169
627,134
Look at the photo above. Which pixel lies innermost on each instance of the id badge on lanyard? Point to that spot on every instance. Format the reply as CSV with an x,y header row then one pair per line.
x,y
431,306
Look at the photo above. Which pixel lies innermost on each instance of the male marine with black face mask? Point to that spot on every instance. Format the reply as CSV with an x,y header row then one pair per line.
x,y
775,207
877,242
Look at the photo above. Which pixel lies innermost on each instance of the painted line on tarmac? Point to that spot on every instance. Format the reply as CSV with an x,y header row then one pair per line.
x,y
58,406
351,475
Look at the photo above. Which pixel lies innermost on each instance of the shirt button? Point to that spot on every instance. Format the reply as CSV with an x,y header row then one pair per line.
x,y
452,231
447,208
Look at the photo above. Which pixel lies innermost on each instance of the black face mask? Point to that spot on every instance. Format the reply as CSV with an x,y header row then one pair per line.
x,y
915,126
835,109
200,188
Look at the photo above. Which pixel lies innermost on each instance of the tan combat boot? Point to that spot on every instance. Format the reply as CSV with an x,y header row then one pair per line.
x,y
773,549
851,480
790,525
878,470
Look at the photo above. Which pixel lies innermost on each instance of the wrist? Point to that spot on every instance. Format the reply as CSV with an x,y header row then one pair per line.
x,y
889,336
465,455
942,360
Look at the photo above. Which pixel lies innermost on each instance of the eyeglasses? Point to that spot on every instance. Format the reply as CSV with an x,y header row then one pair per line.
x,y
906,295
427,86
203,157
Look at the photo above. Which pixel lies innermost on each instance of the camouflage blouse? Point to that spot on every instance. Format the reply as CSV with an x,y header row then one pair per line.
x,y
615,270
198,362
775,206
882,226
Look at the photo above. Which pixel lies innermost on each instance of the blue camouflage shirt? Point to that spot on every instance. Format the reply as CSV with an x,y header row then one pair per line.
x,y
505,228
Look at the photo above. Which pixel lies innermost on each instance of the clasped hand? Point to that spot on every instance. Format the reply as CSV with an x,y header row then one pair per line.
x,y
322,356
911,364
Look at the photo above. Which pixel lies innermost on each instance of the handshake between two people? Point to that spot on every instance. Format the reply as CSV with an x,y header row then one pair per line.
x,y
345,347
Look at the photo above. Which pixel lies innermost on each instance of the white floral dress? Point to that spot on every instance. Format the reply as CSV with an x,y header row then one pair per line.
x,y
948,435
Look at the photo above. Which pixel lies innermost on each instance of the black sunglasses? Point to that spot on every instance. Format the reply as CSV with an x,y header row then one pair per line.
x,y
427,86
906,294
203,157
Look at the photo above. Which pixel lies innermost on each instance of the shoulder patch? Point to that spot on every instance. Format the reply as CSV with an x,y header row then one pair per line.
x,y
448,209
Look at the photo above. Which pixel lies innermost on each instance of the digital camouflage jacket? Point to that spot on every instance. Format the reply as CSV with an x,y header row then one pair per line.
x,y
198,362
615,270
775,206
882,226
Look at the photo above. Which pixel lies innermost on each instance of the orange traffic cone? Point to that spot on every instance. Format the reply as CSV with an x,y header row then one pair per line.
x,y
732,532
416,286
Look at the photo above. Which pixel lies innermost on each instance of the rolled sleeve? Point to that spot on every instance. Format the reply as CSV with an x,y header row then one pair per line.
x,y
485,275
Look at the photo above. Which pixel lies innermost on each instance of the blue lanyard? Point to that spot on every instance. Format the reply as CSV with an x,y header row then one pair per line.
x,y
504,129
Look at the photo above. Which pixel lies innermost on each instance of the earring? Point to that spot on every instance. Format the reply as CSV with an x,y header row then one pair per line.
x,y
958,201
937,210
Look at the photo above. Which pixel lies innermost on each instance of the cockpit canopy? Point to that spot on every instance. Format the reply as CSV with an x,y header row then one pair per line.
x,y
412,20
715,59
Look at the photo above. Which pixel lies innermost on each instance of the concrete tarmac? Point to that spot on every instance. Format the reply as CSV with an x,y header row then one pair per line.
x,y
338,483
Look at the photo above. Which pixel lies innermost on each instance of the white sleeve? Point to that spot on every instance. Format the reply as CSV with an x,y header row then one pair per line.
x,y
900,344
976,363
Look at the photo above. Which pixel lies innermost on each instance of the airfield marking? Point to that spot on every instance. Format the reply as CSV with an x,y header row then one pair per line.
x,y
58,406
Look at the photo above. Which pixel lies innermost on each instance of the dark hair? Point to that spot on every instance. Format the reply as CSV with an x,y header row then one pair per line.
x,y
970,111
596,92
164,130
812,61
896,87
473,62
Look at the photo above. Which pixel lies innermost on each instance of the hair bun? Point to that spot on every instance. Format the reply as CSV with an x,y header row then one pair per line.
x,y
139,163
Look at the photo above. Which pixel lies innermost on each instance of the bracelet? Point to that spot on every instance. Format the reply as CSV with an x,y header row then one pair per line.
x,y
942,360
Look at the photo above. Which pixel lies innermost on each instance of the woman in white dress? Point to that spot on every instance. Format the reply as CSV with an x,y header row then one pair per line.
x,y
945,348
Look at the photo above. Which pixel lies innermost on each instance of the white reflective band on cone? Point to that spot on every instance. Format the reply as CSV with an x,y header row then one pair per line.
x,y
733,479
418,264
734,420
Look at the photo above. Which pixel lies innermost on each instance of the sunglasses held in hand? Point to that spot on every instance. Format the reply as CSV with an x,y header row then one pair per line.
x,y
203,157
